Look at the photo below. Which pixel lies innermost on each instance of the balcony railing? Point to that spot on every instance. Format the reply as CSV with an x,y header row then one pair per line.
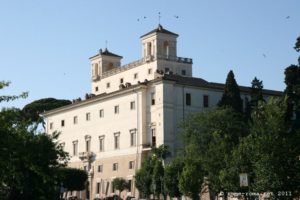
x,y
144,60
85,156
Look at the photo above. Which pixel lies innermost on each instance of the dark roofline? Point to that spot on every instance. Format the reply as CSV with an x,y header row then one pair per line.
x,y
106,53
199,82
160,29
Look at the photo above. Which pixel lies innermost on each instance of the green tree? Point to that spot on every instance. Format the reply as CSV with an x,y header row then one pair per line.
x,y
292,91
73,179
149,179
190,179
120,184
33,110
256,92
157,178
143,178
28,160
209,138
256,96
171,178
231,96
270,153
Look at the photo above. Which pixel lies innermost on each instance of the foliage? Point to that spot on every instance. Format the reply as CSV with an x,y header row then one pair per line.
x,y
270,154
297,45
209,138
143,178
157,177
120,184
149,179
7,98
171,178
33,109
231,96
73,179
192,174
28,160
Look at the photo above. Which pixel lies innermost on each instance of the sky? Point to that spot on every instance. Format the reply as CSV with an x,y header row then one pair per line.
x,y
45,45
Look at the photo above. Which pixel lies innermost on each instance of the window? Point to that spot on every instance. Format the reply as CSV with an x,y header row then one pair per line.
x,y
129,185
152,98
135,75
108,85
205,101
121,80
87,143
133,137
75,148
51,126
153,134
96,89
131,165
98,188
62,123
167,69
101,113
88,116
116,109
188,99
150,71
75,120
183,72
115,166
132,105
100,168
101,143
117,140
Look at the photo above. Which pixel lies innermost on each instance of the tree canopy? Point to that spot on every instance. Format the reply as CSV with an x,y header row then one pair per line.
x,y
231,96
29,159
35,108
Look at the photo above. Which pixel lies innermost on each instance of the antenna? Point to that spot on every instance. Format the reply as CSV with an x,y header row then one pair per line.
x,y
159,16
106,42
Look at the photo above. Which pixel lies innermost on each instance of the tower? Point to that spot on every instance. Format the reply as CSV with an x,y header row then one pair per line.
x,y
103,62
159,43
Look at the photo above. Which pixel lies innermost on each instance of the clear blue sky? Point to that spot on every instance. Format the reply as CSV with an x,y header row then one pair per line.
x,y
45,45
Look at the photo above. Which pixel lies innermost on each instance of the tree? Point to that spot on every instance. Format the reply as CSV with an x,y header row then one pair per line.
x,y
28,160
149,179
120,184
143,178
33,109
209,138
171,178
256,96
231,96
297,45
157,178
73,179
270,153
292,91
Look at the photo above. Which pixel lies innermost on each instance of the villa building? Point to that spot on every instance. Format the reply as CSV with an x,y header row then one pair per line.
x,y
132,108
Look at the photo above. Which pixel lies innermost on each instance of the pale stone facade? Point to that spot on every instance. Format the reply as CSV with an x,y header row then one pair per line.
x,y
134,107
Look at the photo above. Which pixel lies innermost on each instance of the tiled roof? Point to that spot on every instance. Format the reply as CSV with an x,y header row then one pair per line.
x,y
199,82
160,29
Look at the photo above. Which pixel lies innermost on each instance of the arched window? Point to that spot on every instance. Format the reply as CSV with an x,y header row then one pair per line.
x,y
96,70
149,48
110,66
166,48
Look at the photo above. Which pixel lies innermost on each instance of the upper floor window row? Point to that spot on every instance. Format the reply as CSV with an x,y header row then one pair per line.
x,y
88,115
